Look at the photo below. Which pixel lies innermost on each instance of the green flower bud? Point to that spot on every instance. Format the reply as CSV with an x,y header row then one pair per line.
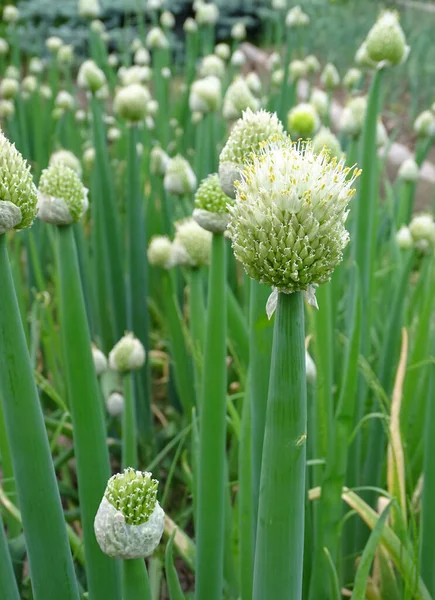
x,y
98,27
386,41
64,101
404,238
100,361
279,4
45,92
130,522
12,72
330,77
212,65
10,14
319,99
206,14
4,47
238,58
205,95
89,9
113,60
287,224
352,78
352,117
36,66
156,39
422,228
303,120
167,20
424,125
7,109
160,252
65,55
134,74
246,137
190,25
238,98
296,18
253,82
114,134
297,70
115,404
9,88
192,244
223,51
238,31
131,103
142,57
312,64
91,77
62,197
179,177
159,161
325,139
53,43
409,171
68,159
211,205
127,355
18,195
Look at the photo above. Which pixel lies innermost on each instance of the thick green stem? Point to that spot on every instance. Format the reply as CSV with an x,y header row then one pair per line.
x,y
91,453
197,323
50,561
281,514
245,504
260,343
129,426
137,276
135,583
211,483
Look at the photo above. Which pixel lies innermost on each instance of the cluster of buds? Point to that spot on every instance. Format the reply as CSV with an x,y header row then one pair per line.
x,y
211,205
296,18
420,234
62,197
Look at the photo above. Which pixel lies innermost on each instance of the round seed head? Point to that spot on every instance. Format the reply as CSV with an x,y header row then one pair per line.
x,y
156,39
68,159
238,31
352,78
131,103
287,224
211,205
65,55
330,77
303,121
190,25
319,99
422,228
246,137
404,238
64,101
127,355
325,139
7,109
4,47
409,171
53,43
279,4
160,251
212,65
312,64
297,69
142,57
206,14
385,42
91,77
238,98
129,522
296,18
62,197
89,9
192,244
115,404
167,20
10,14
9,88
36,66
352,117
238,58
205,95
158,161
100,361
424,125
222,50
18,195
253,82
180,179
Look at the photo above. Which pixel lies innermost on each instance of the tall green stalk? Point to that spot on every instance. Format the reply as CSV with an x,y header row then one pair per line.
x,y
7,575
91,452
211,481
280,531
129,426
135,583
137,275
49,556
